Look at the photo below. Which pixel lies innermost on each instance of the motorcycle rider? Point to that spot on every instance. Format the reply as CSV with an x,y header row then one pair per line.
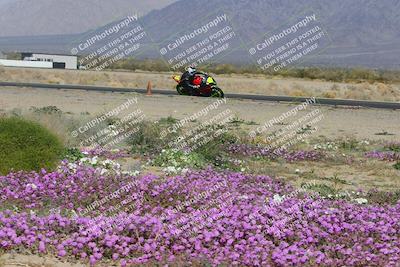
x,y
187,80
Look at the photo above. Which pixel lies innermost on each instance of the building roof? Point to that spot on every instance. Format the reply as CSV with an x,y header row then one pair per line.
x,y
51,54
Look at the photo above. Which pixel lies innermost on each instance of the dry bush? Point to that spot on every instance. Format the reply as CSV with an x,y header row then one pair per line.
x,y
383,89
358,92
114,83
274,85
329,94
335,87
54,79
298,90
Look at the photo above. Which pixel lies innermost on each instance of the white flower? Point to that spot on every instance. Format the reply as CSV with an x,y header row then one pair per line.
x,y
114,133
297,171
108,163
135,173
33,186
243,197
103,171
131,173
278,199
72,166
171,170
316,147
361,200
92,161
83,160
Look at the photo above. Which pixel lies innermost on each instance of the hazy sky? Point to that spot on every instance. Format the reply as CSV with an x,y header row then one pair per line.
x,y
26,17
5,1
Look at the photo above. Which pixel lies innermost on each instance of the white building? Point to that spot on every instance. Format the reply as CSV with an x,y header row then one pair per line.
x,y
26,64
2,56
58,61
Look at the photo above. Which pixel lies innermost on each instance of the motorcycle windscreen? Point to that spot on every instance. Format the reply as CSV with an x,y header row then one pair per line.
x,y
210,80
176,78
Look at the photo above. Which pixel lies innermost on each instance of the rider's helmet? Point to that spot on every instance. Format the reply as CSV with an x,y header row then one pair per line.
x,y
191,69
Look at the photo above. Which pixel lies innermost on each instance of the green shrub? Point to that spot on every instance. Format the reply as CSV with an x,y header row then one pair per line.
x,y
168,120
397,166
349,144
73,154
46,110
150,139
25,145
395,147
214,149
323,190
382,198
178,159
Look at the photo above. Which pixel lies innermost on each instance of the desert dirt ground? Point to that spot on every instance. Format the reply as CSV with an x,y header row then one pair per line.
x,y
23,260
246,83
361,123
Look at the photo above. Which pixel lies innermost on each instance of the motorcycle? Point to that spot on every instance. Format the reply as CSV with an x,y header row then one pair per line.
x,y
207,86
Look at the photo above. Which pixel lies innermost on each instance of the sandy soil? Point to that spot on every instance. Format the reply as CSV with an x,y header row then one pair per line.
x,y
21,260
361,123
247,83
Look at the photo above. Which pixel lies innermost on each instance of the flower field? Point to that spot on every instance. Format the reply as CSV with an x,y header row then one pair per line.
x,y
232,202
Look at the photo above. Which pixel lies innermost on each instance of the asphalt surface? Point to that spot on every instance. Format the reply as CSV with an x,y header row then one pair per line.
x,y
322,101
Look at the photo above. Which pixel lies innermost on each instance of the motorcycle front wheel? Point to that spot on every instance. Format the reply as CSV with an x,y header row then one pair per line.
x,y
217,92
181,90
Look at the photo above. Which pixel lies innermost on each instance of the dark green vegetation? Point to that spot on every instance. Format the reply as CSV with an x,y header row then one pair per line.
x,y
397,166
159,138
25,145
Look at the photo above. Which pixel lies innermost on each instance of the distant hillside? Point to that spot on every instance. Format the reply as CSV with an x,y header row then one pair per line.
x,y
362,32
44,17
358,33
